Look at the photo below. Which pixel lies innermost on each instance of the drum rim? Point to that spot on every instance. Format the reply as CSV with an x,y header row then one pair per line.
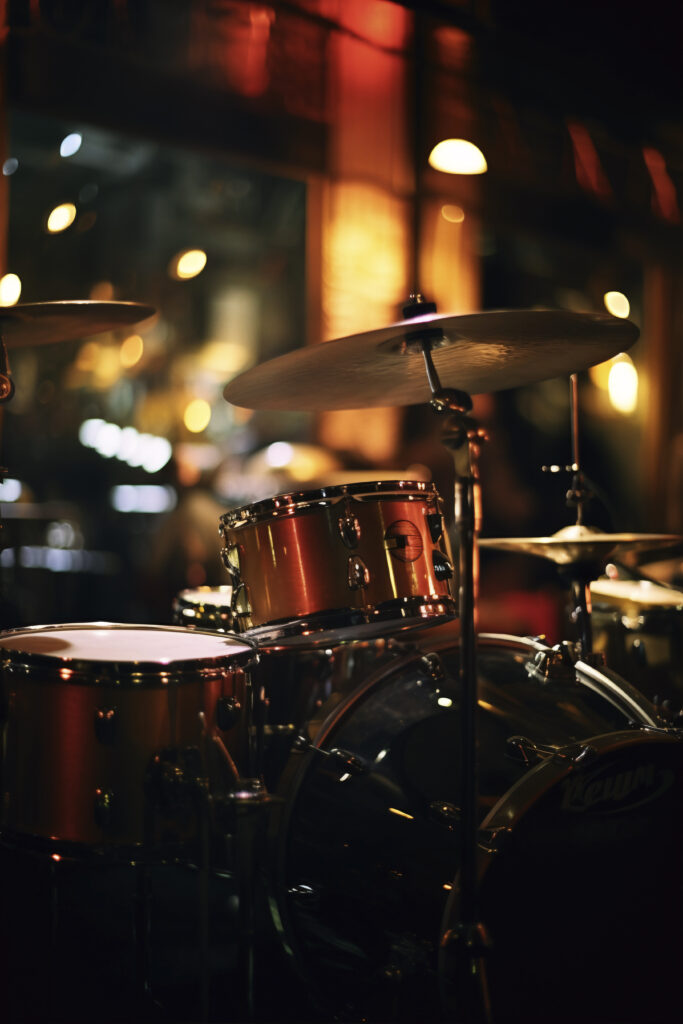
x,y
288,502
400,610
137,673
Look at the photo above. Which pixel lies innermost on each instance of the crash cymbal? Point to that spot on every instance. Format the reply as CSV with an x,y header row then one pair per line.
x,y
578,543
475,352
39,323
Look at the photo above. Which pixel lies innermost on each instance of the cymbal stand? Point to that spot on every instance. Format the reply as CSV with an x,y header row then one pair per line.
x,y
579,575
464,438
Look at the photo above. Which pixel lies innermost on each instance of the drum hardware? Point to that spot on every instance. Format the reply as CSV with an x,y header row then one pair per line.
x,y
384,372
464,438
349,528
579,551
358,576
553,663
528,753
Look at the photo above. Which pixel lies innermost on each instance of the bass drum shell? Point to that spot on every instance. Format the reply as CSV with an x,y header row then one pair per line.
x,y
366,849
580,889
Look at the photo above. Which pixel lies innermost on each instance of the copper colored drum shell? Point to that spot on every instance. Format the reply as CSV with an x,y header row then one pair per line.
x,y
81,736
360,548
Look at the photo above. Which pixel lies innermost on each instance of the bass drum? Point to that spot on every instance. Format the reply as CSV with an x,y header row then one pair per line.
x,y
366,847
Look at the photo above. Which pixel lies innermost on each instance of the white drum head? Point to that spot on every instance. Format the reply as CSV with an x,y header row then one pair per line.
x,y
122,643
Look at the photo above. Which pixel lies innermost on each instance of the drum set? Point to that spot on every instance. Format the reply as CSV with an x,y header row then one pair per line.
x,y
388,816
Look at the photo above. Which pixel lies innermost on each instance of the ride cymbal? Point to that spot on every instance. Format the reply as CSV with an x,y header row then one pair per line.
x,y
578,543
475,352
41,323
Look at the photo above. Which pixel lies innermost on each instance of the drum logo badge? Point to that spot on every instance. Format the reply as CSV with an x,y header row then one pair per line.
x,y
403,541
611,791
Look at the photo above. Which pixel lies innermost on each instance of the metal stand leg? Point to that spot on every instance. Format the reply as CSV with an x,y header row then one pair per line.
x,y
468,938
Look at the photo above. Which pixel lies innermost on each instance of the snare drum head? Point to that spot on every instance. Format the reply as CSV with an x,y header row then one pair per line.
x,y
105,730
129,646
581,892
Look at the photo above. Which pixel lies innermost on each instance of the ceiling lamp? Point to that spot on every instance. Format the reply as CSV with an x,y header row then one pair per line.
x,y
457,156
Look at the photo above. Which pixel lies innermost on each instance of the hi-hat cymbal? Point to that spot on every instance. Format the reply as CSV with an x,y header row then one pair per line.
x,y
475,352
39,323
575,544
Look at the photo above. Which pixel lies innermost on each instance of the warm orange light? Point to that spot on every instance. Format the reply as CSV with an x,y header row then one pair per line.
x,y
452,213
10,289
103,291
617,304
187,264
457,156
61,218
131,351
197,415
623,385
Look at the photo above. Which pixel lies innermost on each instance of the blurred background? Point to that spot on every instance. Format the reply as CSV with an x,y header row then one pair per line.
x,y
264,175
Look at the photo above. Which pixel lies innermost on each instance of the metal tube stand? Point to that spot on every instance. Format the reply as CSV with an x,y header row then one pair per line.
x,y
468,939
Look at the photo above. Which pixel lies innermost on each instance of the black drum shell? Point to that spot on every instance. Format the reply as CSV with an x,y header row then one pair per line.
x,y
366,848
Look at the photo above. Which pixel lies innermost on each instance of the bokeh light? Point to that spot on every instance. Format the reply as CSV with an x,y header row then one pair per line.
x,y
197,415
10,289
617,304
61,218
188,263
452,213
70,144
131,351
623,385
457,156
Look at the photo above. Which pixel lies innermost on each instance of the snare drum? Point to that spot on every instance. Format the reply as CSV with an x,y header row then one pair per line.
x,y
367,846
208,608
88,710
339,556
639,626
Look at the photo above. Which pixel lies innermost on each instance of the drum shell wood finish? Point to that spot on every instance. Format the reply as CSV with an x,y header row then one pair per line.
x,y
80,740
294,563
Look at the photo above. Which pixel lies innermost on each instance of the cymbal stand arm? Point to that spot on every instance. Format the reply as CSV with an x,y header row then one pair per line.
x,y
579,577
579,493
462,436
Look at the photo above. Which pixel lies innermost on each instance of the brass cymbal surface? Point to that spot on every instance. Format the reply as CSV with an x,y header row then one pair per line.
x,y
41,323
574,544
474,352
